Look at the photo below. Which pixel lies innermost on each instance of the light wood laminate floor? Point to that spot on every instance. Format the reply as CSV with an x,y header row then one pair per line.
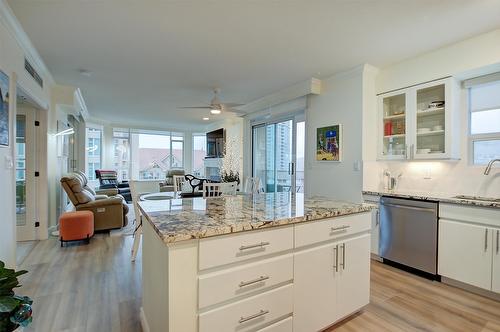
x,y
96,288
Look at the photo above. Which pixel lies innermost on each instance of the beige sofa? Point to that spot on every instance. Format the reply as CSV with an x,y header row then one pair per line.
x,y
110,211
168,185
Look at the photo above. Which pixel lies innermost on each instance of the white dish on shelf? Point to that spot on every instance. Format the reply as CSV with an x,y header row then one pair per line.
x,y
423,151
423,130
437,128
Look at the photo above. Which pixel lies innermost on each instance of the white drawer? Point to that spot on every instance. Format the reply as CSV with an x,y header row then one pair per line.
x,y
473,214
285,325
249,314
224,285
328,229
221,250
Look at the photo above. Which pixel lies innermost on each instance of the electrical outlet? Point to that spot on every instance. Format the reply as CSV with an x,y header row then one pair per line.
x,y
427,173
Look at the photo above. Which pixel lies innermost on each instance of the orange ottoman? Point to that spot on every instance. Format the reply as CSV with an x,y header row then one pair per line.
x,y
74,226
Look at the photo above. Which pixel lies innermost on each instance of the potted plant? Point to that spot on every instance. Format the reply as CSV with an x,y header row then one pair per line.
x,y
15,310
230,177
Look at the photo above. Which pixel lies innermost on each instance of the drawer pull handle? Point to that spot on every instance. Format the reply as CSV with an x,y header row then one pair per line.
x,y
246,319
251,282
340,228
257,245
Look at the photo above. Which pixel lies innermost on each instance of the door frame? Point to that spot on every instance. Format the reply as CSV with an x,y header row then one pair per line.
x,y
27,232
295,118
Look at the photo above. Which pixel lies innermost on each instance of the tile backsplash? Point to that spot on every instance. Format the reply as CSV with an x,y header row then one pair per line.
x,y
438,177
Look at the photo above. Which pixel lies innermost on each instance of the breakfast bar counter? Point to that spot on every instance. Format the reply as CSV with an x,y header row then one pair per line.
x,y
270,262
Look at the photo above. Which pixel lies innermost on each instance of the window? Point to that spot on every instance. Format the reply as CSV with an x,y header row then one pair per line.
x,y
484,102
154,153
93,151
199,154
121,156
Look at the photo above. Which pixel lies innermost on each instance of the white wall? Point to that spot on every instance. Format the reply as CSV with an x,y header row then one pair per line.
x,y
340,102
12,63
472,57
234,128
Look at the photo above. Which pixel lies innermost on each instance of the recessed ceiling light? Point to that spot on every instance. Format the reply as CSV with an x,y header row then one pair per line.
x,y
215,111
85,72
206,119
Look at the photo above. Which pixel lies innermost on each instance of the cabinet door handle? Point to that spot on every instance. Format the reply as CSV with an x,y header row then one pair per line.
x,y
246,319
257,245
254,281
336,258
498,241
340,228
486,239
377,218
343,255
406,151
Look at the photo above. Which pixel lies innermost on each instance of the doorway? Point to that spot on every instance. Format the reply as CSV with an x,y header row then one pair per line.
x,y
278,154
26,171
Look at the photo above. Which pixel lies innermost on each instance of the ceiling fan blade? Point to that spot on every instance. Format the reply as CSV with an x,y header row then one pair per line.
x,y
232,104
236,112
196,107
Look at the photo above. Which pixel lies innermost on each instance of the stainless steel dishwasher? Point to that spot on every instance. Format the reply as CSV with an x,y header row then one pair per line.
x,y
409,233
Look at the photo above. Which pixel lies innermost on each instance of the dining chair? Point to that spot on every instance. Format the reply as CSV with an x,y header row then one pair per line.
x,y
211,189
252,186
178,181
138,188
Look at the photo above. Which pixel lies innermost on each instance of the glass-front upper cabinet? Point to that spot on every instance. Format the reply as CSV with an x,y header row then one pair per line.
x,y
419,122
394,125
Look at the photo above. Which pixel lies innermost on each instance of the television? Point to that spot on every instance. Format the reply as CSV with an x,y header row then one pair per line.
x,y
216,141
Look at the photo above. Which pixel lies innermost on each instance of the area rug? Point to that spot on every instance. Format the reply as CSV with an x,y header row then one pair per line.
x,y
130,228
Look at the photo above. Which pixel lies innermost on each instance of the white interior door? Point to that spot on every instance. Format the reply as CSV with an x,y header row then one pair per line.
x,y
25,174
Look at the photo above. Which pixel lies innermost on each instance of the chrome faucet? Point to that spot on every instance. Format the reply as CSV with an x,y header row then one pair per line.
x,y
488,168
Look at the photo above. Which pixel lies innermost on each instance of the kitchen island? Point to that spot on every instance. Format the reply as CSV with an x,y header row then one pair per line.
x,y
267,262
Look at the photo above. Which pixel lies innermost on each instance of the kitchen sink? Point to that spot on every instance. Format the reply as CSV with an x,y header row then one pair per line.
x,y
478,198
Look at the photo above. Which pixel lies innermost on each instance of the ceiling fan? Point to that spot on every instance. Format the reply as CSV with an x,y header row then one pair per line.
x,y
216,106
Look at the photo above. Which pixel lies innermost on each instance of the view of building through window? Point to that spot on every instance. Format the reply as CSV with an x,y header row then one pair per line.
x,y
199,154
93,151
121,157
154,154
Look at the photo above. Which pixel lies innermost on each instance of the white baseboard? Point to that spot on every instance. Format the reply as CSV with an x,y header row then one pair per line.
x,y
144,321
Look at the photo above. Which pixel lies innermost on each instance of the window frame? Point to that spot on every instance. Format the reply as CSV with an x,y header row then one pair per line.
x,y
92,179
472,138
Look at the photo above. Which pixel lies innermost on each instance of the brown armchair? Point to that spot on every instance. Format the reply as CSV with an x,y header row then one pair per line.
x,y
109,211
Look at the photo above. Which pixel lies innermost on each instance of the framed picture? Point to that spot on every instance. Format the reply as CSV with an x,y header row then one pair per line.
x,y
4,109
329,143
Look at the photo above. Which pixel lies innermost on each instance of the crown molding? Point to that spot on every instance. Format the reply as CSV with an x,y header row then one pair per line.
x,y
13,25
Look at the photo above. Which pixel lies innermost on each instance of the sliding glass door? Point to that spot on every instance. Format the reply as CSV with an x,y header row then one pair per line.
x,y
277,147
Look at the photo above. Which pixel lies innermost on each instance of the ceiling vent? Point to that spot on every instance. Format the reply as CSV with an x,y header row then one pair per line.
x,y
33,73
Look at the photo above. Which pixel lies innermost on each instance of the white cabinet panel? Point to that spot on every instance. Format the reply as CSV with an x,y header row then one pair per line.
x,y
331,229
224,285
353,288
495,284
465,253
249,314
221,250
315,304
285,325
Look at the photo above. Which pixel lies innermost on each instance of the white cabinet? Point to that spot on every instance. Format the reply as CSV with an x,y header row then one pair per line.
x,y
330,282
419,122
354,282
375,223
469,245
464,254
495,282
315,288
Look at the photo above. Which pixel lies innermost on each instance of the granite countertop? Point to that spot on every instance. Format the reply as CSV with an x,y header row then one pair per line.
x,y
195,218
440,197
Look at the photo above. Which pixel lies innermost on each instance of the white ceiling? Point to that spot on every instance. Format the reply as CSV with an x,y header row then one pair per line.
x,y
149,57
